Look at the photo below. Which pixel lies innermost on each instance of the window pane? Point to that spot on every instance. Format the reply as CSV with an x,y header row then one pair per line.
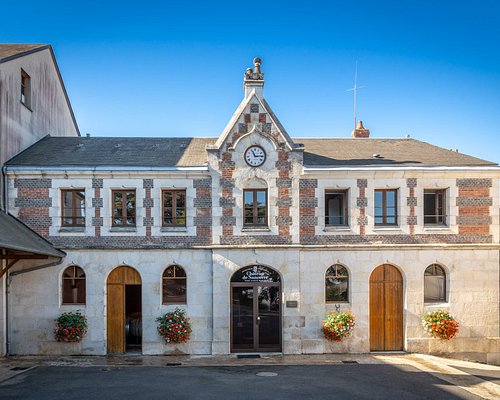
x,y
117,197
378,199
169,272
174,291
248,198
167,199
390,198
67,199
261,199
167,216
336,289
180,199
179,272
390,220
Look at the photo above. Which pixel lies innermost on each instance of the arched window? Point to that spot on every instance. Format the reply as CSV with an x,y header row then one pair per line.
x,y
174,285
336,284
434,284
73,285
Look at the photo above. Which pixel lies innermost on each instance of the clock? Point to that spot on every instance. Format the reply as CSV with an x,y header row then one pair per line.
x,y
255,156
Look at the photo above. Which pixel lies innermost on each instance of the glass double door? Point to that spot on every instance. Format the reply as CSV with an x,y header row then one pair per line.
x,y
256,317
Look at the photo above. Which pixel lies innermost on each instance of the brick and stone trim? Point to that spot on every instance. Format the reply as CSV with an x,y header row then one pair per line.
x,y
411,202
34,201
474,201
307,208
362,203
203,206
148,202
97,204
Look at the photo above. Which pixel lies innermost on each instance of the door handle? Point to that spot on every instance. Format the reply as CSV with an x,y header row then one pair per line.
x,y
258,320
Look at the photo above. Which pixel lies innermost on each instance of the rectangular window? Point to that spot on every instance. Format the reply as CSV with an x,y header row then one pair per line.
x,y
25,89
73,207
386,207
174,208
336,211
255,207
123,207
434,207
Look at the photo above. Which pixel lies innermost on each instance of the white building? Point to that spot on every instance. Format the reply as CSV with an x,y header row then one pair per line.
x,y
258,236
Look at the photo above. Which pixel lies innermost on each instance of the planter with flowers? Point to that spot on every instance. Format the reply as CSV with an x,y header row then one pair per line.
x,y
174,327
440,325
338,325
71,327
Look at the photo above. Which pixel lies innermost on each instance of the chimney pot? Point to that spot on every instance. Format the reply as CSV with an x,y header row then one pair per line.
x,y
254,79
360,131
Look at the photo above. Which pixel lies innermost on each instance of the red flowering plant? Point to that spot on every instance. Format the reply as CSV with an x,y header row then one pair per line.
x,y
440,325
174,327
70,327
338,325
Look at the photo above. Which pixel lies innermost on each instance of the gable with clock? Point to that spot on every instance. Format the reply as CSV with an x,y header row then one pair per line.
x,y
255,153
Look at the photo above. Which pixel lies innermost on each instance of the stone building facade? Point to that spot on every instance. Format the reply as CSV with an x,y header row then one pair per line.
x,y
265,218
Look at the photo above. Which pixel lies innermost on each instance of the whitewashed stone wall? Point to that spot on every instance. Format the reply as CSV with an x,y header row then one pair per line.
x,y
36,302
35,298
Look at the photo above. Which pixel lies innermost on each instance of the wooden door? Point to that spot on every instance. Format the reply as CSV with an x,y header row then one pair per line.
x,y
117,280
386,309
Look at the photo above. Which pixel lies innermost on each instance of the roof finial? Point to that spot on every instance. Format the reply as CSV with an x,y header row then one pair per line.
x,y
257,61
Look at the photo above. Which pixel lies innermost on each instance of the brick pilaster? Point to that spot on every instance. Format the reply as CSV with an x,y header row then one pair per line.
x,y
362,203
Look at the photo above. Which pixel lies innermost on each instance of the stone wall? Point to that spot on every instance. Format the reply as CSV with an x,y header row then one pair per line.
x,y
472,297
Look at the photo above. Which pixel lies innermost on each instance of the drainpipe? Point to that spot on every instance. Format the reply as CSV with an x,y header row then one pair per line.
x,y
4,191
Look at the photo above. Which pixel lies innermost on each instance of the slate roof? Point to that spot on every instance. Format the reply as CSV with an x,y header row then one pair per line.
x,y
177,152
10,51
392,152
14,235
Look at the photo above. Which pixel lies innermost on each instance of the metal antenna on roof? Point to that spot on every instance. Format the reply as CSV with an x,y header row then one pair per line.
x,y
355,91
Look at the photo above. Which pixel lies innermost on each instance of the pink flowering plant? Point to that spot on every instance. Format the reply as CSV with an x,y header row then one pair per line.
x,y
174,327
338,325
71,327
440,325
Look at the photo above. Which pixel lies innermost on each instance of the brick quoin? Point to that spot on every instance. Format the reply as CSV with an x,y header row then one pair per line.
x,y
97,210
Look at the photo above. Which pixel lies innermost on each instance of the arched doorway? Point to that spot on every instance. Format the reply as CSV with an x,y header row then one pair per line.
x,y
124,310
255,310
386,309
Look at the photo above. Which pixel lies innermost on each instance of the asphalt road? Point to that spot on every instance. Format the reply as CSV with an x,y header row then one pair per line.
x,y
344,381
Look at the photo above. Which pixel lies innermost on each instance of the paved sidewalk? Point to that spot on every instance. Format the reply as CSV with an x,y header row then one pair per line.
x,y
478,379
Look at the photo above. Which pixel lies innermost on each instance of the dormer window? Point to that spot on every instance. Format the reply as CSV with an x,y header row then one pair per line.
x,y
25,89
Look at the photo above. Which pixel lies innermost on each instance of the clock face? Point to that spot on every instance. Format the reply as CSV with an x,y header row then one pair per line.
x,y
255,156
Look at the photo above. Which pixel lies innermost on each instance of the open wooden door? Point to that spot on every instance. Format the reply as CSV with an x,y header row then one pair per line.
x,y
118,280
386,309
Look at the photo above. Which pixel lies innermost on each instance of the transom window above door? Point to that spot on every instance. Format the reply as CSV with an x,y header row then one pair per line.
x,y
123,207
174,207
255,207
386,207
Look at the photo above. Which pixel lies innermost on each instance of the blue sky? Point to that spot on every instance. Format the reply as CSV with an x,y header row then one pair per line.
x,y
174,68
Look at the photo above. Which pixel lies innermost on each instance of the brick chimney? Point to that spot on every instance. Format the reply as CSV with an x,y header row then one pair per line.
x,y
360,131
254,79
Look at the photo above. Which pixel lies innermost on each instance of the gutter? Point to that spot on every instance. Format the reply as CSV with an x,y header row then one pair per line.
x,y
379,168
109,168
